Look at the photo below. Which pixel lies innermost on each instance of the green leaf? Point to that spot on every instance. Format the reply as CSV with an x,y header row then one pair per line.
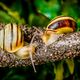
x,y
9,15
49,8
58,70
70,64
38,20
5,17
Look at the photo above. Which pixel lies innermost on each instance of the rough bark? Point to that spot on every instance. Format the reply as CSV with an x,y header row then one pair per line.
x,y
67,46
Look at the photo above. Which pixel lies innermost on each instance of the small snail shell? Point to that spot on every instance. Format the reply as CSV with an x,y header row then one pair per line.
x,y
11,38
62,24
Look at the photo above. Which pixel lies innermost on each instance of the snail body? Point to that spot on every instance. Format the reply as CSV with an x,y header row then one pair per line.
x,y
12,41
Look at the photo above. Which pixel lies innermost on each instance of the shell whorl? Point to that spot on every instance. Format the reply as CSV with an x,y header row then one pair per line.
x,y
62,21
11,38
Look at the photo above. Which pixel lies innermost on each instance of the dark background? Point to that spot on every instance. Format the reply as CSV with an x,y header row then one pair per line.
x,y
38,13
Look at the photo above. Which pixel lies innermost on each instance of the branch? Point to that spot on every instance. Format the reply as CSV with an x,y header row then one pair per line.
x,y
67,46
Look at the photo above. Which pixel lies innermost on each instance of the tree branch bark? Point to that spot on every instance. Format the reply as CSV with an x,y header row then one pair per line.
x,y
67,46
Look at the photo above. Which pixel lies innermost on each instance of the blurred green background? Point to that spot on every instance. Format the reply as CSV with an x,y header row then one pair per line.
x,y
38,13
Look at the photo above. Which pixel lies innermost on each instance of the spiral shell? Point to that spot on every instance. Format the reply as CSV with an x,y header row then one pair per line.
x,y
61,22
11,38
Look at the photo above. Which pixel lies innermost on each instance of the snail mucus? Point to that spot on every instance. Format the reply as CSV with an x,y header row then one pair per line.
x,y
12,41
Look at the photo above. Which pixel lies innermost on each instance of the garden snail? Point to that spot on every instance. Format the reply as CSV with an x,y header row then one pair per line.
x,y
12,40
59,25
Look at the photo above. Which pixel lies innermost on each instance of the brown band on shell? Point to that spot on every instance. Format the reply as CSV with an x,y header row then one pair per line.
x,y
11,36
62,23
21,36
17,35
4,39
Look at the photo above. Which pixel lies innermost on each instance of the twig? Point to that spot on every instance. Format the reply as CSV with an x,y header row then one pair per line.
x,y
67,46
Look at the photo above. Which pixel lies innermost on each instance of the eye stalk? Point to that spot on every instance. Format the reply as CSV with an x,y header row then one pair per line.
x,y
62,24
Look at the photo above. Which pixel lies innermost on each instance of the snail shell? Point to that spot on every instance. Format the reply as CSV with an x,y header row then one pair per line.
x,y
11,38
66,23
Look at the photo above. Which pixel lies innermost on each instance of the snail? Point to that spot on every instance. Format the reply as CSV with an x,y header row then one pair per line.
x,y
12,41
58,26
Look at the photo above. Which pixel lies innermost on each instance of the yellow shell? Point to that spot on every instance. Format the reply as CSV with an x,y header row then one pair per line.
x,y
11,38
61,23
